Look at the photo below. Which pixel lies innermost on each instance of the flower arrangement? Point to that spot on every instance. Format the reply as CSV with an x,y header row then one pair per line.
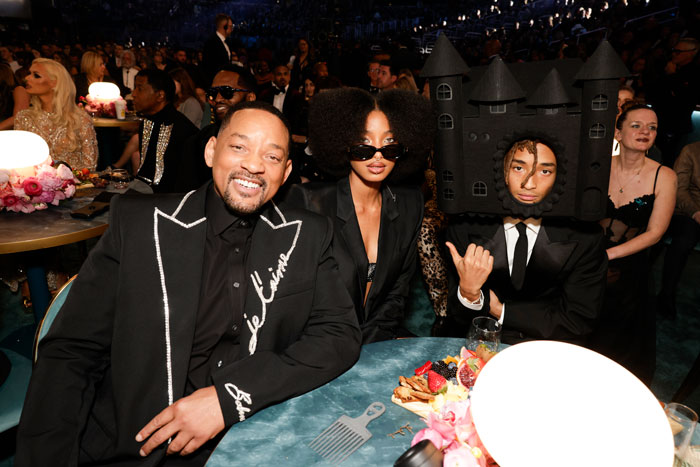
x,y
452,431
48,185
99,108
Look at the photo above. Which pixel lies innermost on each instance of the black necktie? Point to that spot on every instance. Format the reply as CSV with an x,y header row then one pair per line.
x,y
517,276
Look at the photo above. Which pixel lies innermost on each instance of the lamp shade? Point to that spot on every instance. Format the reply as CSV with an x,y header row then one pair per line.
x,y
106,91
546,403
22,149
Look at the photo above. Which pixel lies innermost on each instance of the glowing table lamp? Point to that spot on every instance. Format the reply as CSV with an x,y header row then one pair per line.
x,y
104,92
546,403
22,151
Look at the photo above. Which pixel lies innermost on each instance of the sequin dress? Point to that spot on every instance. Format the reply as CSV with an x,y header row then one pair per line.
x,y
80,154
627,331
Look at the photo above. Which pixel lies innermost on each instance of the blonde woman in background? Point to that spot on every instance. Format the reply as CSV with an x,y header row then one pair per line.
x,y
92,70
54,116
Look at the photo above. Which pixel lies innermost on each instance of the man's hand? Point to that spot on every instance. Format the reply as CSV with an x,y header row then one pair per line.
x,y
495,306
473,269
696,216
191,422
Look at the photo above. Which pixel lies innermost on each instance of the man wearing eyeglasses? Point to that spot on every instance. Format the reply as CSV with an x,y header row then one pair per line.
x,y
231,85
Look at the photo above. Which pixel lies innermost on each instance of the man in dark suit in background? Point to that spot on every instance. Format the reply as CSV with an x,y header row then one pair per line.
x,y
191,314
278,91
156,151
541,278
216,52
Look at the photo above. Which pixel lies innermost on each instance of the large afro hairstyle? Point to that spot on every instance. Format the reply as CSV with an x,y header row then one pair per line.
x,y
338,117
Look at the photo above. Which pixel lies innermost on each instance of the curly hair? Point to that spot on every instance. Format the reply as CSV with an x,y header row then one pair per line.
x,y
338,117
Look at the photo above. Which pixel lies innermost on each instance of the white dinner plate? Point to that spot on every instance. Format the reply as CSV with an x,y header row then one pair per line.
x,y
547,403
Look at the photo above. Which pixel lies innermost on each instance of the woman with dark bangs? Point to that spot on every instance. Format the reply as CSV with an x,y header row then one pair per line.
x,y
368,140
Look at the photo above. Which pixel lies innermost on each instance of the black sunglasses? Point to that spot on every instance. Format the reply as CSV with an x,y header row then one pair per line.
x,y
227,92
363,152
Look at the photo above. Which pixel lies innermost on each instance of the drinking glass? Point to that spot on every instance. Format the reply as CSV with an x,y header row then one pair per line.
x,y
484,330
683,421
120,177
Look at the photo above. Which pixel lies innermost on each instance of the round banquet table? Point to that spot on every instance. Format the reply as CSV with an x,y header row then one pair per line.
x,y
280,434
50,227
129,123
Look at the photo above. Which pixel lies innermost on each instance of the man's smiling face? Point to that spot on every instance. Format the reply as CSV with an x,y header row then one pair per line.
x,y
249,159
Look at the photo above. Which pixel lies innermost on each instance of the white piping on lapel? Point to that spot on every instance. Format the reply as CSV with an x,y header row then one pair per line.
x,y
255,323
166,307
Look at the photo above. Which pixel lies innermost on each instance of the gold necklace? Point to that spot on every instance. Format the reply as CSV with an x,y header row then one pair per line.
x,y
623,185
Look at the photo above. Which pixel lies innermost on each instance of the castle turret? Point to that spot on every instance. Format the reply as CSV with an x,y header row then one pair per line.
x,y
600,77
444,69
551,97
497,92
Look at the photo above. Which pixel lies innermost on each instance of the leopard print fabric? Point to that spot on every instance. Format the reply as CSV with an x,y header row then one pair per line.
x,y
432,263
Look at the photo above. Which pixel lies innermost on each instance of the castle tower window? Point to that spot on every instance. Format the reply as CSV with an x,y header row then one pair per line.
x,y
599,102
446,122
497,109
597,131
553,111
447,176
479,189
443,92
448,193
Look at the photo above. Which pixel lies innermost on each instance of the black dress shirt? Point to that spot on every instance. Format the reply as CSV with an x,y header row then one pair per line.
x,y
222,293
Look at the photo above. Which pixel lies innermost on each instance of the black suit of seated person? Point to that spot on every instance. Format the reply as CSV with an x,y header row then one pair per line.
x,y
562,294
549,287
382,314
192,313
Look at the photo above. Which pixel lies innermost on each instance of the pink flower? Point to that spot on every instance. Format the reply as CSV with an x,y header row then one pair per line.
x,y
428,433
69,190
461,457
26,207
4,176
46,197
9,200
64,172
31,186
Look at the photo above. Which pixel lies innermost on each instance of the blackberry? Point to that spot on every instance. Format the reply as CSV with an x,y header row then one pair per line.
x,y
444,370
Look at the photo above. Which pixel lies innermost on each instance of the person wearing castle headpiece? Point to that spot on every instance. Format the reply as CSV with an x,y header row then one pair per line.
x,y
541,278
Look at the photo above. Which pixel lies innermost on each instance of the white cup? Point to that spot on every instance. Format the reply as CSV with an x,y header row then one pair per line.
x,y
120,107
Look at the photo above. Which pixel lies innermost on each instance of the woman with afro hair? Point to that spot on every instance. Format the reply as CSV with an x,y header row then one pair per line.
x,y
369,140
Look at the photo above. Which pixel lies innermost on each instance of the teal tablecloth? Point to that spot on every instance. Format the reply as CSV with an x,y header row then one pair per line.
x,y
279,435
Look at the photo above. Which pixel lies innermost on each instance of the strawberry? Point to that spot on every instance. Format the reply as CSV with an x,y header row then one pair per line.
x,y
422,369
436,382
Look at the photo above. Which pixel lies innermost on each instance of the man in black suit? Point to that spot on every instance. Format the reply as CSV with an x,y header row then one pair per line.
x,y
157,150
192,313
277,92
541,278
216,52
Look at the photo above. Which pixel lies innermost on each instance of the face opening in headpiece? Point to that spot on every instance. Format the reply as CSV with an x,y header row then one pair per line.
x,y
529,176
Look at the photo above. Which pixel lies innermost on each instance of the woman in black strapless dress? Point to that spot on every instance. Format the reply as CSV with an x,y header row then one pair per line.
x,y
641,199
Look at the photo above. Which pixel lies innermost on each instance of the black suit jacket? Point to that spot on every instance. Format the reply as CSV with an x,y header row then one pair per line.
x,y
562,296
214,56
119,350
381,315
